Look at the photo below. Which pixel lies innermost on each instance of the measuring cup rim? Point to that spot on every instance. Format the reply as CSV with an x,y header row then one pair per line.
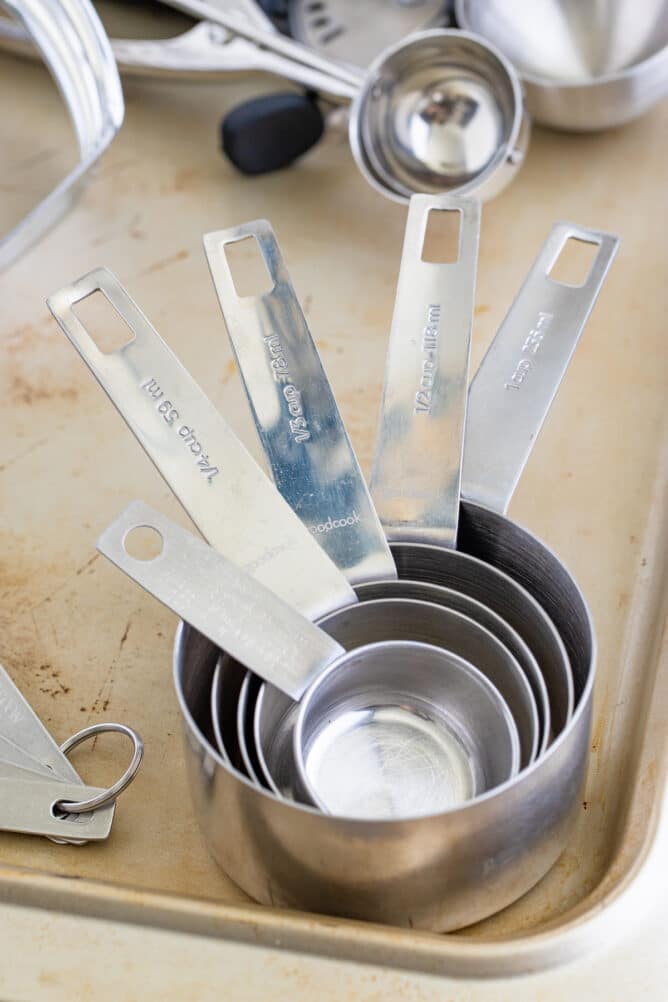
x,y
591,629
501,652
259,750
510,662
534,674
195,733
214,703
460,663
530,599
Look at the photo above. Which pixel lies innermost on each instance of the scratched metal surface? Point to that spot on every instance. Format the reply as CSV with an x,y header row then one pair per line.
x,y
85,645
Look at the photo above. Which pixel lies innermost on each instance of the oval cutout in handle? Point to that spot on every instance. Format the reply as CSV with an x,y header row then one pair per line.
x,y
513,389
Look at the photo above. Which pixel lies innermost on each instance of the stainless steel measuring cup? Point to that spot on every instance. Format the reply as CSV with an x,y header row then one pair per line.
x,y
301,430
312,462
448,870
430,295
401,729
457,732
274,715
311,457
392,620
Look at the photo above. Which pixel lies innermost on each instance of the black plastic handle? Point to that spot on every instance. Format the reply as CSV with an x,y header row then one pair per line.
x,y
271,132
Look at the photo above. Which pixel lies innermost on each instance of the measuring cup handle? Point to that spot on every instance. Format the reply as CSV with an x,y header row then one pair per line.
x,y
223,602
301,430
512,391
416,469
227,495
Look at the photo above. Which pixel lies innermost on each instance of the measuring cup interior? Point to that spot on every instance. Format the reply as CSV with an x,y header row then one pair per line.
x,y
398,619
483,615
495,539
402,729
273,725
244,727
500,592
226,685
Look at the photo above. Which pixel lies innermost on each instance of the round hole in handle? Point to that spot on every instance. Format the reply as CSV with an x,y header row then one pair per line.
x,y
143,542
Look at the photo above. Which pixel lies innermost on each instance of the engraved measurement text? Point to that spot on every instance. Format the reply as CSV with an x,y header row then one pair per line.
x,y
171,416
530,348
425,394
298,424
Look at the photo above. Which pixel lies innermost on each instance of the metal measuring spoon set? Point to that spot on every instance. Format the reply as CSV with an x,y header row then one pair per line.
x,y
393,732
41,793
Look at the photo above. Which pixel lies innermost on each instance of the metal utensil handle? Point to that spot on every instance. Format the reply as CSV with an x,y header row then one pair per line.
x,y
417,463
217,481
272,42
233,610
203,51
22,730
31,808
513,389
296,416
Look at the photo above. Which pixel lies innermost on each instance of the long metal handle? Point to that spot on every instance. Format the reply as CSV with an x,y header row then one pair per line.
x,y
416,469
208,50
296,416
519,376
202,52
227,605
272,42
227,495
21,730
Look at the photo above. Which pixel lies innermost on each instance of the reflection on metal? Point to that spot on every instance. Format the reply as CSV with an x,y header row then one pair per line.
x,y
74,46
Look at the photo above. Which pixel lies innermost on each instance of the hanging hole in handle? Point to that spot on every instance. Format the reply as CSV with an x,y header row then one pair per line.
x,y
143,542
574,262
107,328
248,268
442,236
59,814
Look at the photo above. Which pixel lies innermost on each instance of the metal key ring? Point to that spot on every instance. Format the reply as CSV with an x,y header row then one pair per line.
x,y
110,795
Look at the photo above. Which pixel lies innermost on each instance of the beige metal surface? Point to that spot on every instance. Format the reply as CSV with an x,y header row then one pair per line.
x,y
84,645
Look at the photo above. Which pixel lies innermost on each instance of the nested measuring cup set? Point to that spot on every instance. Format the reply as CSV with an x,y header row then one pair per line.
x,y
386,691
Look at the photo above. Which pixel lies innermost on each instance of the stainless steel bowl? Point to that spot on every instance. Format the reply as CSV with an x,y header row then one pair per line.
x,y
584,66
440,112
